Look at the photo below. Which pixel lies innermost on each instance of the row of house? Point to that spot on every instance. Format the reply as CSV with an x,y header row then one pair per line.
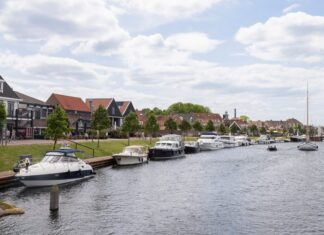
x,y
26,116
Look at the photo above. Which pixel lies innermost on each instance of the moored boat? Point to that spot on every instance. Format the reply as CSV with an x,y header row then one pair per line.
x,y
272,148
229,141
57,167
191,147
168,147
209,141
131,155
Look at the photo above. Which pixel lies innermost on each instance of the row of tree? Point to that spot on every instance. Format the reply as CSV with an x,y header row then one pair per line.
x,y
178,108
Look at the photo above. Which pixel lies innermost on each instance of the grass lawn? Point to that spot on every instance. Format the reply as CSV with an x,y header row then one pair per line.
x,y
9,155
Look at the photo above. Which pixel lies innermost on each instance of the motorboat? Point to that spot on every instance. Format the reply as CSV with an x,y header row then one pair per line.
x,y
191,147
297,138
308,147
57,167
242,140
265,139
209,141
131,155
229,141
168,147
272,148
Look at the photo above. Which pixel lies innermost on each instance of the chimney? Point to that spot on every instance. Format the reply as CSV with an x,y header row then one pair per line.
x,y
235,113
91,106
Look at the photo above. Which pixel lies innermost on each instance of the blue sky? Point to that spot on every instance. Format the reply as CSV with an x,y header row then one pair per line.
x,y
253,55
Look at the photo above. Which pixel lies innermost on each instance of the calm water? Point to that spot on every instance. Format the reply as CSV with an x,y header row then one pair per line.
x,y
244,190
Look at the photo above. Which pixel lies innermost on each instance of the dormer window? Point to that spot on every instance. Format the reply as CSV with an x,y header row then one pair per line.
x,y
1,86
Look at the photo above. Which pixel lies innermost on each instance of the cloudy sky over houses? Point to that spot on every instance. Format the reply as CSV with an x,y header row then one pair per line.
x,y
253,55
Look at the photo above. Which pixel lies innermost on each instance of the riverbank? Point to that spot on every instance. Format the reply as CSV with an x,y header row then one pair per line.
x,y
9,155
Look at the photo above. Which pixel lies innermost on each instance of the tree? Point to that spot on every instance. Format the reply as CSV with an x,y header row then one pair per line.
x,y
254,130
151,126
57,125
222,129
185,126
197,126
187,108
244,118
170,125
234,129
263,130
100,121
3,117
130,125
210,126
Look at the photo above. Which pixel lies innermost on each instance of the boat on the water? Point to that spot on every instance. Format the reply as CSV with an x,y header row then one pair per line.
x,y
229,141
308,145
57,167
131,155
191,147
272,148
297,138
168,147
242,140
209,141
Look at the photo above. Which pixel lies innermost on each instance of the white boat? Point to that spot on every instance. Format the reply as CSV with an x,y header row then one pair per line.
x,y
209,141
57,167
307,146
131,155
168,147
242,140
229,141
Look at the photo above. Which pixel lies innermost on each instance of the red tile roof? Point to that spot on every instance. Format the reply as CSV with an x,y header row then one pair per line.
x,y
68,102
123,106
96,102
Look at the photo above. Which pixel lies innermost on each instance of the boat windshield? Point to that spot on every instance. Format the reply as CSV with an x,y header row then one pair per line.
x,y
133,150
54,158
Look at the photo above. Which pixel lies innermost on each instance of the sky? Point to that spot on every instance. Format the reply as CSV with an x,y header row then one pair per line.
x,y
252,55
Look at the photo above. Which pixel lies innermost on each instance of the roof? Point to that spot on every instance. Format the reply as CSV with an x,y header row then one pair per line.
x,y
70,102
122,105
96,102
29,99
8,91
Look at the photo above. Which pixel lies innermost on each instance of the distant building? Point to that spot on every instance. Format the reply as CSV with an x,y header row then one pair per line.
x,y
11,101
78,112
125,107
110,105
32,115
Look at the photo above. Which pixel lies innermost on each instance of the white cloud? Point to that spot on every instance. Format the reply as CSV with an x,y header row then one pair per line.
x,y
59,23
173,9
194,42
290,8
295,36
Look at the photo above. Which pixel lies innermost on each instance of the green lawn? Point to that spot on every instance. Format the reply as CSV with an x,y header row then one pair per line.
x,y
9,155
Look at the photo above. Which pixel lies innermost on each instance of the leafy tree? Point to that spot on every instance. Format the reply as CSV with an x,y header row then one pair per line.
x,y
185,126
234,129
187,108
254,130
291,130
100,121
130,125
170,125
57,125
222,129
263,130
197,126
3,117
151,126
244,118
210,126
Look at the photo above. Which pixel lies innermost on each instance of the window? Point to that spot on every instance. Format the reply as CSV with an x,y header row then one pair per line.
x,y
11,109
37,114
113,110
44,113
1,86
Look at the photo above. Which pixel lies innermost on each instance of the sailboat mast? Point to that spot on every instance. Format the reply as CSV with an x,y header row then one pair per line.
x,y
307,127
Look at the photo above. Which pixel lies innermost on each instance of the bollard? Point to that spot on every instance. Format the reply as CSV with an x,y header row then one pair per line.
x,y
54,198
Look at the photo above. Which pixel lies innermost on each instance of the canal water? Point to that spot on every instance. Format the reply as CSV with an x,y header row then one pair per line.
x,y
245,190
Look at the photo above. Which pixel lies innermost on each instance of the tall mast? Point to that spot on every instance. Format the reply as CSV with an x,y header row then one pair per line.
x,y
307,127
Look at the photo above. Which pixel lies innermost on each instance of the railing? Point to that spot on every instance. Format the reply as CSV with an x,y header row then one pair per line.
x,y
76,146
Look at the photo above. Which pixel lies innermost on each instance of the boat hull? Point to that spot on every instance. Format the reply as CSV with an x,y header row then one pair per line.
x,y
129,160
308,147
191,149
54,179
165,154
